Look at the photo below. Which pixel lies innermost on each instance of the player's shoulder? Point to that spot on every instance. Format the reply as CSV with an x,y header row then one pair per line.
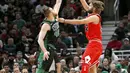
x,y
95,16
45,26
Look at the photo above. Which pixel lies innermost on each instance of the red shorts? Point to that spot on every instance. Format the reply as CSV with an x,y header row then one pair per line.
x,y
91,55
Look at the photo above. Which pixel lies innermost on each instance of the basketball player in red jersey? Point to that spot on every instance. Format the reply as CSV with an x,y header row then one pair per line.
x,y
93,33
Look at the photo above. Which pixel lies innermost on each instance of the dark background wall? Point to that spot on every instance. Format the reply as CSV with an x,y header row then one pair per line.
x,y
124,7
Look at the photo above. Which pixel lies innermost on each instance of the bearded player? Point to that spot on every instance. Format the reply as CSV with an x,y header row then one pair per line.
x,y
93,33
47,37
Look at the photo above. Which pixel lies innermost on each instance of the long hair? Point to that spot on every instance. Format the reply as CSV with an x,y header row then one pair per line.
x,y
98,5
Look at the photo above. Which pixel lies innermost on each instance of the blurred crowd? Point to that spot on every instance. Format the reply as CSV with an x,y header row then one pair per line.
x,y
20,24
120,41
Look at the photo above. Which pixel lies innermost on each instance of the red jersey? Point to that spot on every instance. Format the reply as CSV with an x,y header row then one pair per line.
x,y
94,31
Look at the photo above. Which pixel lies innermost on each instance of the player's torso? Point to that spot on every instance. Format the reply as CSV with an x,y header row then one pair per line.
x,y
53,33
93,31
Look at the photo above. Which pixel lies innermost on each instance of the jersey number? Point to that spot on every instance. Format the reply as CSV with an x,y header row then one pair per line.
x,y
55,28
87,59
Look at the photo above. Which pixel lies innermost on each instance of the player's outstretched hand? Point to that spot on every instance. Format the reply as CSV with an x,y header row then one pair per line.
x,y
62,20
46,55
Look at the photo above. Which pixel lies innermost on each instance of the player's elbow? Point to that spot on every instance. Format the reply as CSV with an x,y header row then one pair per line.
x,y
39,40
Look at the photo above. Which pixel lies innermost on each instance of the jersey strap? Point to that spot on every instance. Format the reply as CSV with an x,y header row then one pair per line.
x,y
48,21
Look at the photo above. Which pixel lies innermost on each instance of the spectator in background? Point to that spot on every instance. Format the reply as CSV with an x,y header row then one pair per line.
x,y
24,71
33,70
120,69
11,60
124,63
114,43
11,11
4,36
23,31
19,21
25,66
10,46
121,31
68,12
106,65
83,12
3,7
13,33
19,59
39,8
81,39
6,68
5,23
126,44
69,62
78,68
78,50
76,61
109,54
16,65
16,70
4,59
64,68
72,4
29,35
31,60
65,38
34,48
72,70
61,48
75,29
125,20
25,13
15,27
23,45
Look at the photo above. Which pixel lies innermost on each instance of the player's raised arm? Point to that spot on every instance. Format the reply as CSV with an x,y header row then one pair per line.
x,y
85,5
57,6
